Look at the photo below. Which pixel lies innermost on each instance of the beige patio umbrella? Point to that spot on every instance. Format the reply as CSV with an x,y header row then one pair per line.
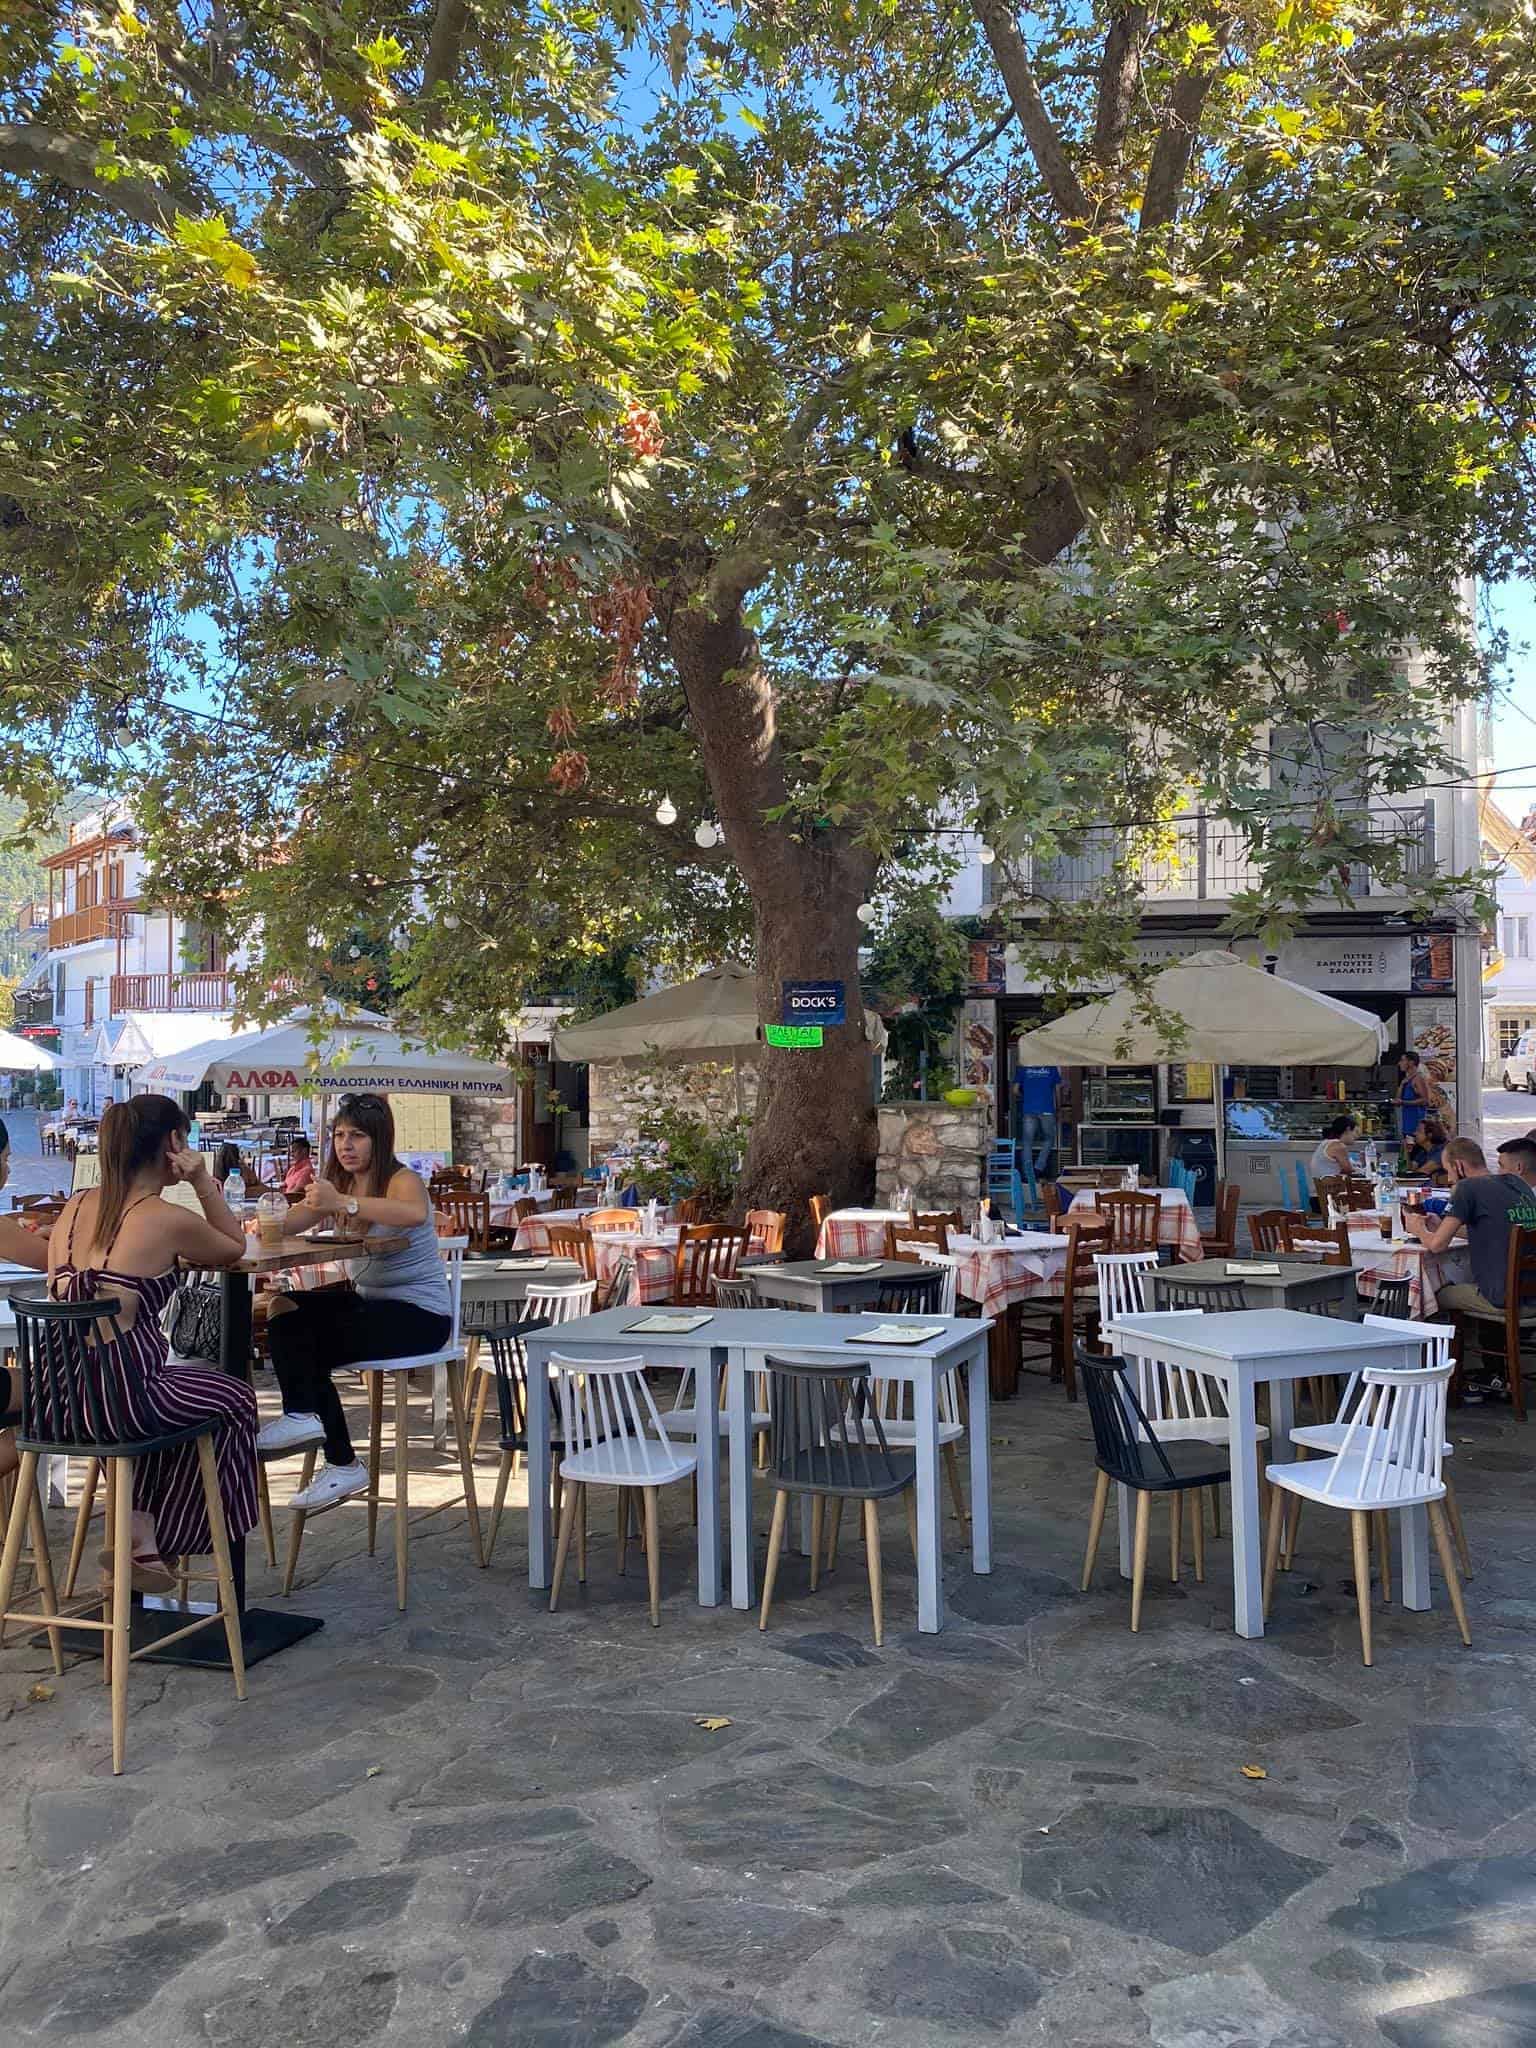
x,y
713,1017
1233,1013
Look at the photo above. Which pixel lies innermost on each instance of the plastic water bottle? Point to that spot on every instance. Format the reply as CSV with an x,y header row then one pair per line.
x,y
234,1187
195,1137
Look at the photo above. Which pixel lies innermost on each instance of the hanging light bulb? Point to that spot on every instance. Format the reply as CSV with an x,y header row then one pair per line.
x,y
354,952
986,854
706,834
666,812
865,913
450,922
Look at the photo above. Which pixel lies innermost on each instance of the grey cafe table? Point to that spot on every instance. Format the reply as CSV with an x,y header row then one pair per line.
x,y
1299,1284
1242,1349
816,1283
490,1281
737,1340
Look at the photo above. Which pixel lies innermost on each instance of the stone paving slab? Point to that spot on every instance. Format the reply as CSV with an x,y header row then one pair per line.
x,y
483,1823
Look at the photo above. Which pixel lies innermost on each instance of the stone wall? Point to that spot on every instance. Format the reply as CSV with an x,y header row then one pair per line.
x,y
936,1150
485,1131
619,1097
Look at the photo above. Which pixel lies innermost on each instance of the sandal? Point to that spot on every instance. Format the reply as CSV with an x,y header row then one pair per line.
x,y
149,1574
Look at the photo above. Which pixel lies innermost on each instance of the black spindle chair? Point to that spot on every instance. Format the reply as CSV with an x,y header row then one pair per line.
x,y
1215,1297
509,1365
922,1295
1129,1453
827,1441
80,1391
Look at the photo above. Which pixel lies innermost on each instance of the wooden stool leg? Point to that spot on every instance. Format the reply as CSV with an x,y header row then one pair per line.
x,y
909,1500
466,1461
818,1536
775,1546
1442,1538
1292,1531
1272,1544
652,1497
296,1526
223,1566
122,1607
957,1491
1453,1512
42,1566
1139,1558
375,1453
402,1489
562,1546
1175,1534
16,1526
1360,1531
1095,1528
834,1531
82,1525
482,1397
1384,1556
264,1507
502,1478
872,1559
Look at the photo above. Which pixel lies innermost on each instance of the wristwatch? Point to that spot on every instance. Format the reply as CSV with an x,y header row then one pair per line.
x,y
351,1205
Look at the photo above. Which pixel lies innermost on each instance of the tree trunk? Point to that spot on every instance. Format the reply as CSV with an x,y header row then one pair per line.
x,y
814,1131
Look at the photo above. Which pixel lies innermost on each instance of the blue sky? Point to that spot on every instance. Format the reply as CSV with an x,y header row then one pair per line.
x,y
1514,716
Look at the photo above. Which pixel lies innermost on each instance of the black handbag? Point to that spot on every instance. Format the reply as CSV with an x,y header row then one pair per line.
x,y
196,1320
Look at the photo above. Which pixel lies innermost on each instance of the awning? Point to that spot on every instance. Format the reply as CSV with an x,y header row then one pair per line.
x,y
140,1035
357,1051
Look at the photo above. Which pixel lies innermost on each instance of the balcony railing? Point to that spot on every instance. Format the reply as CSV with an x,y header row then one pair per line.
x,y
76,927
1202,858
196,991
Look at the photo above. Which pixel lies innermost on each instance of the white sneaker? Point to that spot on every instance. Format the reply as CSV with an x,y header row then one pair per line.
x,y
290,1433
331,1485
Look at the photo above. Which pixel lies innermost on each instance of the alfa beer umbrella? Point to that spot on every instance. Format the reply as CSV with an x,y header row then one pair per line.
x,y
355,1051
1233,1014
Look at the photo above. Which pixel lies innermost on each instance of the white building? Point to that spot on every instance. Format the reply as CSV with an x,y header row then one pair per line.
x,y
1509,978
125,980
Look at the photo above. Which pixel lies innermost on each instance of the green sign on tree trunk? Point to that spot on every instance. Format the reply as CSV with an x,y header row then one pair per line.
x,y
794,1035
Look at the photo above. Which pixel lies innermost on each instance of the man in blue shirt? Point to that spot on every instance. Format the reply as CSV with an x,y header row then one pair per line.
x,y
1036,1092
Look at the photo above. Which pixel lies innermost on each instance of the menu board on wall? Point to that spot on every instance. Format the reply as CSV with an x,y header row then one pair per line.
x,y
978,1048
1353,960
989,971
1431,1028
423,1127
1434,964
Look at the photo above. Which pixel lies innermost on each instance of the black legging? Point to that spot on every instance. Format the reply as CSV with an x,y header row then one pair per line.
x,y
335,1327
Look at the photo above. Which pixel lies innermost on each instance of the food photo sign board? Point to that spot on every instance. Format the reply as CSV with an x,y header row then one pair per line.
x,y
1431,1029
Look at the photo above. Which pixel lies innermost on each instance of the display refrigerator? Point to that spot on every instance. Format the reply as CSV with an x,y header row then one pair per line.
x,y
1120,1124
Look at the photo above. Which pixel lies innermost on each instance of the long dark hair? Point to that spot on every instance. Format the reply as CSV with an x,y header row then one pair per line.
x,y
1339,1126
371,1115
132,1136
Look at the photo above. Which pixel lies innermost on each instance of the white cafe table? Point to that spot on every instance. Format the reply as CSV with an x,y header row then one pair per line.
x,y
737,1340
1242,1349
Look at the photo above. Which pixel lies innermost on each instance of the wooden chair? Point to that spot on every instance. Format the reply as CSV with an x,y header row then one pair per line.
x,y
524,1207
1267,1228
467,1215
936,1234
1515,1323
1050,1201
611,1219
563,1198
1309,1239
1059,1315
1222,1242
449,1177
821,1206
950,1218
1133,1219
574,1241
690,1211
706,1252
765,1227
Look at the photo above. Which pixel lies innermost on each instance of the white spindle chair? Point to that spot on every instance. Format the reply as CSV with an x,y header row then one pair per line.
x,y
449,1359
1389,1458
614,1436
1122,1280
892,1399
555,1302
1436,1339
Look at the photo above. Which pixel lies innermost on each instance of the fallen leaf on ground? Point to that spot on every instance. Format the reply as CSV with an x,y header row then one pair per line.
x,y
1254,1771
374,1771
710,1722
39,1693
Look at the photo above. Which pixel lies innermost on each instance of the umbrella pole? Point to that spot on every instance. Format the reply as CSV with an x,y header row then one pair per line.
x,y
1221,1123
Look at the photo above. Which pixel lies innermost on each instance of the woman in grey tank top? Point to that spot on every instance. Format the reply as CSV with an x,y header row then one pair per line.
x,y
398,1308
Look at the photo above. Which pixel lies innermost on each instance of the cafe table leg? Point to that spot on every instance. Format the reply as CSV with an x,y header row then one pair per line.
x,y
738,1380
537,1460
980,1426
930,1506
707,1438
1413,1525
1247,1562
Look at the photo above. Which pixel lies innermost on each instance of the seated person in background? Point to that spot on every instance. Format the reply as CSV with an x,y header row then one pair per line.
x,y
1517,1160
1486,1207
1330,1157
18,1247
1426,1147
301,1168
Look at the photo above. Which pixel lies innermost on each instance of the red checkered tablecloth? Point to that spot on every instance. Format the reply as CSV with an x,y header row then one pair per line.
x,y
856,1233
1176,1225
997,1275
654,1265
1374,1259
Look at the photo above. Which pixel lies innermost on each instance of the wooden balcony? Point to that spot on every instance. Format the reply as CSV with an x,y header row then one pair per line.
x,y
193,991
77,927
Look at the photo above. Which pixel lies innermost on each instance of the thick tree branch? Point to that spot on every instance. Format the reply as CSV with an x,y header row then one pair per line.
x,y
1176,143
30,151
1119,75
445,45
1018,74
